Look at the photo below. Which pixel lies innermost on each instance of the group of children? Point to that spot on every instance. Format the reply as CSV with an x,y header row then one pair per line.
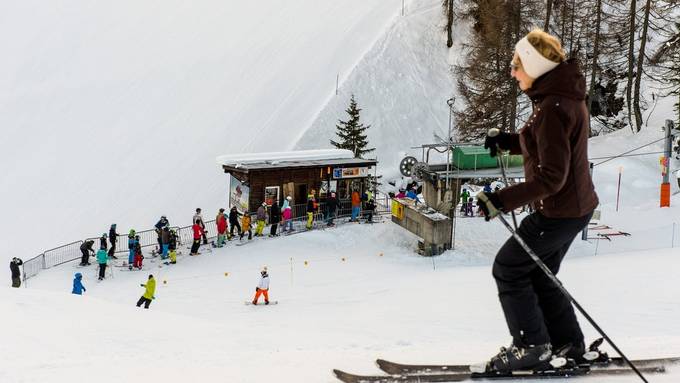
x,y
262,289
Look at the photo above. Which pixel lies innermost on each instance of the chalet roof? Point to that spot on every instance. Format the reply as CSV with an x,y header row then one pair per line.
x,y
292,159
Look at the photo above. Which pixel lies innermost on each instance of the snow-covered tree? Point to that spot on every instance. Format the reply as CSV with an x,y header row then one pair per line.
x,y
352,133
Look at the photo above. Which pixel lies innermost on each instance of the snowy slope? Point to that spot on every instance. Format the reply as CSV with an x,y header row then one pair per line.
x,y
115,111
402,85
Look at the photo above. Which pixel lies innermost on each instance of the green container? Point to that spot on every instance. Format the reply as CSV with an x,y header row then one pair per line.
x,y
476,157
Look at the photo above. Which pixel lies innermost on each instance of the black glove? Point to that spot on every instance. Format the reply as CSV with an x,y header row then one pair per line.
x,y
490,204
257,289
496,139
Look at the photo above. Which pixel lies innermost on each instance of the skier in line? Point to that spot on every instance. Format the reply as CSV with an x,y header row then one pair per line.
x,y
103,243
311,209
102,258
287,214
356,206
149,292
332,205
274,218
370,207
233,222
554,144
172,247
139,257
464,197
245,226
78,287
198,219
412,194
113,238
198,232
401,194
163,222
165,240
16,273
131,248
262,287
87,250
261,219
469,208
221,221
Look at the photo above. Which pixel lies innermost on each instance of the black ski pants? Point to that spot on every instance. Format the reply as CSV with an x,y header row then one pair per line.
x,y
102,270
535,309
195,246
16,281
275,226
146,302
85,259
112,250
234,225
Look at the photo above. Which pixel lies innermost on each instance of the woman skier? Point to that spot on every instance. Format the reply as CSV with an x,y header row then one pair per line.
x,y
554,144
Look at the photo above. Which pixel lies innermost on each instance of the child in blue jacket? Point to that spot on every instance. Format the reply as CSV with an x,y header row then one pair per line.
x,y
78,287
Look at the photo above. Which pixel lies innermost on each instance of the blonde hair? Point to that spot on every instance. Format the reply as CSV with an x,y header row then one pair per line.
x,y
547,45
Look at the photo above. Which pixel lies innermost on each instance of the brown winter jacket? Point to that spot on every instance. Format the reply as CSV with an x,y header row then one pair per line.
x,y
554,144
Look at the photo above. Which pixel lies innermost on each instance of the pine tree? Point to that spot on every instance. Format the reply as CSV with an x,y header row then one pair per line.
x,y
352,132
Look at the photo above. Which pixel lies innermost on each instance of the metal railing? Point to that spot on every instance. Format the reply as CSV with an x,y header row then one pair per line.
x,y
185,236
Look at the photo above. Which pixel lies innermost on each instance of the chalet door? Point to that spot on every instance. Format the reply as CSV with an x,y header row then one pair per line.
x,y
289,190
300,194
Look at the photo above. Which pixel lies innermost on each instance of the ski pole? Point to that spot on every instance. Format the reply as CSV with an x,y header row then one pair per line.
x,y
559,285
493,132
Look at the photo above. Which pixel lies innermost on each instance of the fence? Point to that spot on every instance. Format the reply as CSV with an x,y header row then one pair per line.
x,y
660,237
147,238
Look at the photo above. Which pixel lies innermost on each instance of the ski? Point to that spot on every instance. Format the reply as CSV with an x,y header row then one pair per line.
x,y
467,376
249,303
401,369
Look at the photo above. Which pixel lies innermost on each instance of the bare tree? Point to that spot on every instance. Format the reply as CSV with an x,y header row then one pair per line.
x,y
447,7
640,63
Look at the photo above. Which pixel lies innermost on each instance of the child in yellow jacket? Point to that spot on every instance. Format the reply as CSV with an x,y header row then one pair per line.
x,y
245,226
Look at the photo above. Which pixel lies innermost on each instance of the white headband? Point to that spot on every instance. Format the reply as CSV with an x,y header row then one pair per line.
x,y
533,62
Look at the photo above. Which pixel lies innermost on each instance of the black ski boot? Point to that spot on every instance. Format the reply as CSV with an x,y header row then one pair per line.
x,y
514,358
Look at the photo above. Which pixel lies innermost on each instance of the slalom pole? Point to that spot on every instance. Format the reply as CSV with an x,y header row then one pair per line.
x,y
559,285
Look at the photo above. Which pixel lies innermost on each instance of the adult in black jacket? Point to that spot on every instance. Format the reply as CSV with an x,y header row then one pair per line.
x,y
274,217
233,221
113,238
332,205
103,243
16,273
87,250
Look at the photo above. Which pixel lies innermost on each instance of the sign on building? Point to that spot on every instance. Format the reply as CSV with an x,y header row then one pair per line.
x,y
339,173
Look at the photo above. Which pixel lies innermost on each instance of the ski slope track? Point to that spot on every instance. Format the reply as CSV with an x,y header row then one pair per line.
x,y
115,111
